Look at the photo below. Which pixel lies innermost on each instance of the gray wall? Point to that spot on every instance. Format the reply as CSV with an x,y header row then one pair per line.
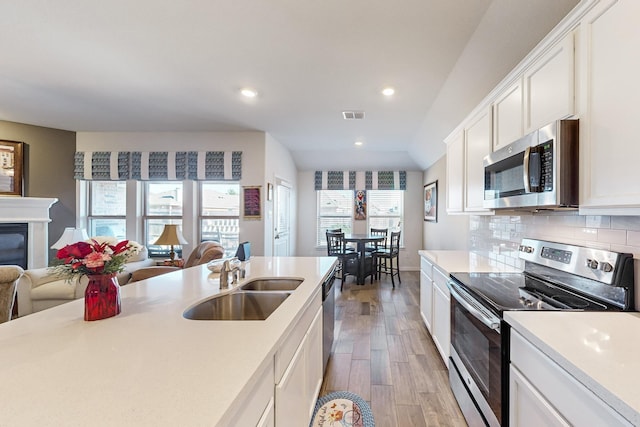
x,y
451,232
48,170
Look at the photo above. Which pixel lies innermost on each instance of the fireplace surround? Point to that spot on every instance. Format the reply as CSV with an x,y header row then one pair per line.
x,y
34,212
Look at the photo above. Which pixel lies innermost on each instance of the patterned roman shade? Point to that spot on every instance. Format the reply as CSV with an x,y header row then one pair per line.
x,y
367,180
159,165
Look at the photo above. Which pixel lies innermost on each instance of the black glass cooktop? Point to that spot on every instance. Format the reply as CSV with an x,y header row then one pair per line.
x,y
520,291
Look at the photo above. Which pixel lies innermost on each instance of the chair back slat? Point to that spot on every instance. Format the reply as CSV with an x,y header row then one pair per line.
x,y
380,232
394,245
335,243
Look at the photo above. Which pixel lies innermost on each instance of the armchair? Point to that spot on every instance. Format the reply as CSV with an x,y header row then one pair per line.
x,y
9,275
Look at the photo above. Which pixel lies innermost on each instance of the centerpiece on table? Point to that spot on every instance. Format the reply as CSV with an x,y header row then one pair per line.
x,y
100,262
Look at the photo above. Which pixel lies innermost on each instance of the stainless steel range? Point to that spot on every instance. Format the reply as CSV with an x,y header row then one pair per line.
x,y
556,277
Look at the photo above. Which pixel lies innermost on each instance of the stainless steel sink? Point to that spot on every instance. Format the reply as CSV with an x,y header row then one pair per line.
x,y
237,305
272,285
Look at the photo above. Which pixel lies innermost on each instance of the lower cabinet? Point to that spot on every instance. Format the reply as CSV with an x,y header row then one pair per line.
x,y
296,391
536,380
426,292
441,331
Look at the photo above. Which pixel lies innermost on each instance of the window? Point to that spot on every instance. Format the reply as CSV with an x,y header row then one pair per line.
x,y
220,214
385,209
335,210
163,205
108,208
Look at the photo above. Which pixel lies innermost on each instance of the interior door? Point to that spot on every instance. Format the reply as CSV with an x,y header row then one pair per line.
x,y
282,232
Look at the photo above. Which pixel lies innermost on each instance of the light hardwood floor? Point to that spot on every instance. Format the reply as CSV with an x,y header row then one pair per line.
x,y
384,353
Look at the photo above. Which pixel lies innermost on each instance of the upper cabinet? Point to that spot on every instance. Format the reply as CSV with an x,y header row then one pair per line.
x,y
477,144
609,93
455,172
508,116
549,86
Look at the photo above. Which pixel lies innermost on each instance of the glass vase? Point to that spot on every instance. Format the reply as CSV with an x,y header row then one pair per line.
x,y
102,297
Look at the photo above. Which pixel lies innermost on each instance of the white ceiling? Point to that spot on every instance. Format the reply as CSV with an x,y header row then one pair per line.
x,y
166,65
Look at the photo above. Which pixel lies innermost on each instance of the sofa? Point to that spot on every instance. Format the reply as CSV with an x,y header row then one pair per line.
x,y
39,288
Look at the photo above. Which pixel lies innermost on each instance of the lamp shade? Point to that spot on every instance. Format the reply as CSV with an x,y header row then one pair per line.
x,y
171,235
69,236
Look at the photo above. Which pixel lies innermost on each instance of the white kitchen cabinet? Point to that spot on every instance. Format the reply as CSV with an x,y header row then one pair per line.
x,y
267,419
455,172
255,409
477,144
549,86
426,292
441,328
297,389
536,380
609,91
508,116
529,407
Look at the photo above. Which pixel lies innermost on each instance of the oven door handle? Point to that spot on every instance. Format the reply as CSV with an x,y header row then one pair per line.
x,y
487,319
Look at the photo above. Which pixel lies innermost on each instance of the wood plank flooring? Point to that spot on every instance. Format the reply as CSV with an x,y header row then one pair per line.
x,y
384,353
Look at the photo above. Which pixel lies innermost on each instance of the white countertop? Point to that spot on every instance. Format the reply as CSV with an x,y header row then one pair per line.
x,y
464,262
148,366
601,350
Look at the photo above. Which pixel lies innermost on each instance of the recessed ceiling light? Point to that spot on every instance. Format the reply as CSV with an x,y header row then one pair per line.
x,y
388,91
358,143
249,93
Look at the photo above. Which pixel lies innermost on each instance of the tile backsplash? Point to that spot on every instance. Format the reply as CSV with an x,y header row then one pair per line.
x,y
498,236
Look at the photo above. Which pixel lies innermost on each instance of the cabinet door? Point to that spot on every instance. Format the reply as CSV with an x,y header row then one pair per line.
x,y
426,299
441,328
291,392
508,110
267,419
477,145
609,91
313,348
455,172
527,407
549,86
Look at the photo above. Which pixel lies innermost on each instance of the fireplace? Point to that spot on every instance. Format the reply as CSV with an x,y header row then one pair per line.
x,y
32,213
13,244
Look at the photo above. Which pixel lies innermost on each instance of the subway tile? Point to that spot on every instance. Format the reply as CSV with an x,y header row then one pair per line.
x,y
633,238
632,249
598,221
618,237
626,222
585,233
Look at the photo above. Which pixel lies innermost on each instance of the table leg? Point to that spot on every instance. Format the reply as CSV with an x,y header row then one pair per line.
x,y
361,264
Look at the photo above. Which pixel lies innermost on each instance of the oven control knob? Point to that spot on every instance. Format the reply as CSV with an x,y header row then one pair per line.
x,y
592,264
526,249
606,267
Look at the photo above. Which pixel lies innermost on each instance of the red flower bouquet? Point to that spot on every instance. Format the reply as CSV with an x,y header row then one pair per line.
x,y
86,259
99,262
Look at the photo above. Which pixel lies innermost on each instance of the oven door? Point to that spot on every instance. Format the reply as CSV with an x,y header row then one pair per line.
x,y
476,356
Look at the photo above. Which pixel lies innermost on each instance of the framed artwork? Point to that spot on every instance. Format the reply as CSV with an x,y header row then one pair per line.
x,y
252,206
269,191
430,198
10,168
360,205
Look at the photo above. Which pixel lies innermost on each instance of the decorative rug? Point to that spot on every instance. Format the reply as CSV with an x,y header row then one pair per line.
x,y
342,409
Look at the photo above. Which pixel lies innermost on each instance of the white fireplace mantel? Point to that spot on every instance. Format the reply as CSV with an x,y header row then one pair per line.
x,y
35,212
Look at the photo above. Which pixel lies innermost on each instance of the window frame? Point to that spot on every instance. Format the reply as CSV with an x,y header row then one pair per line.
x,y
321,241
90,208
229,250
400,217
179,219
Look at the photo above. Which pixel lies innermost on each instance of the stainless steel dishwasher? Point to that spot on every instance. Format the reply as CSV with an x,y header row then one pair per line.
x,y
328,316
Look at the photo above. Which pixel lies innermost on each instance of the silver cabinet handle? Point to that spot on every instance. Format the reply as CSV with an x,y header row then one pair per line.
x,y
527,185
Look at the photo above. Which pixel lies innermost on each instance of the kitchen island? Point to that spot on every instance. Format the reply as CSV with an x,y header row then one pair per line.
x,y
149,366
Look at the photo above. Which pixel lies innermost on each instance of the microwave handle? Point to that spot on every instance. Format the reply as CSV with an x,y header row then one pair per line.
x,y
525,175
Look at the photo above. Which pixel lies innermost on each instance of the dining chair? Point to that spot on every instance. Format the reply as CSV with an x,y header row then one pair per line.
x,y
386,256
373,248
348,259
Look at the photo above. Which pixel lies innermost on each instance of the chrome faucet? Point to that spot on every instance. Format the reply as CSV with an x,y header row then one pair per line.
x,y
224,273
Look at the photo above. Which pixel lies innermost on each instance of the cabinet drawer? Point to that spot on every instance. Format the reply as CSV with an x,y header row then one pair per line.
x,y
426,267
251,410
577,404
440,280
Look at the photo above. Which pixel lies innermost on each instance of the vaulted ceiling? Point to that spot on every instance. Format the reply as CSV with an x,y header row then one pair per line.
x,y
164,65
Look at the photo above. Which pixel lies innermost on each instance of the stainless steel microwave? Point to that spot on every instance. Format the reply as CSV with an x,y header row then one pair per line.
x,y
538,171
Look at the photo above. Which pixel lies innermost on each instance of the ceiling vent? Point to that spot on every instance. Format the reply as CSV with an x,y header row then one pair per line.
x,y
353,115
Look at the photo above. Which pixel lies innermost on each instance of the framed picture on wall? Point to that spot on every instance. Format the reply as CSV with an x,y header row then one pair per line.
x,y
10,168
430,198
252,206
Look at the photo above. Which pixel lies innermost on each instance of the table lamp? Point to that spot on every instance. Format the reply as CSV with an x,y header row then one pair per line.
x,y
171,236
69,236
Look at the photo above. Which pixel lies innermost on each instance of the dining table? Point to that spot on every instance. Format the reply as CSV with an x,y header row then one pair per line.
x,y
361,241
